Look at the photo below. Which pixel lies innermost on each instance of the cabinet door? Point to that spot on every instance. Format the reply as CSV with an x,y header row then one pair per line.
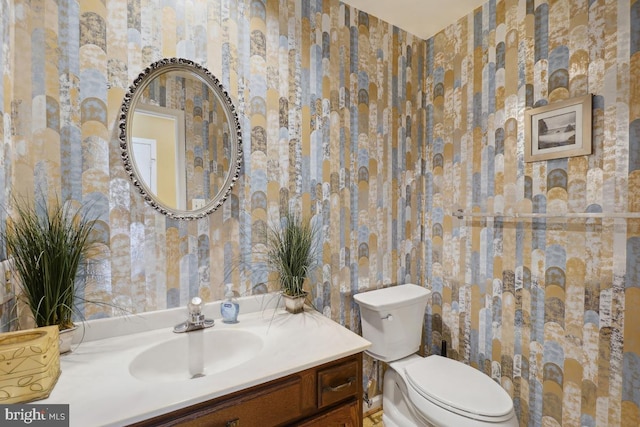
x,y
342,416
274,405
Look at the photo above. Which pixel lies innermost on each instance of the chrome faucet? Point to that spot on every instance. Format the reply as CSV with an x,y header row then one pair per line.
x,y
196,320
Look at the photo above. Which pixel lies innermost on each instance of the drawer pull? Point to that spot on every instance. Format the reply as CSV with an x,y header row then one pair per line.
x,y
233,423
350,381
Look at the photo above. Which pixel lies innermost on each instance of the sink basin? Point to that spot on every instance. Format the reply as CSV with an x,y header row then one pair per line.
x,y
168,361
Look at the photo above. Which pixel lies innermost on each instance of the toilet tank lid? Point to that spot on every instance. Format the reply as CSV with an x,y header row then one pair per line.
x,y
392,297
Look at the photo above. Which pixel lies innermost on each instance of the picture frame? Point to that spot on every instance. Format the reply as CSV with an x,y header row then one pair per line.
x,y
558,130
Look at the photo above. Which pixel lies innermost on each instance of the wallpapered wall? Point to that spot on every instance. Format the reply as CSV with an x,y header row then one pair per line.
x,y
326,98
381,137
547,306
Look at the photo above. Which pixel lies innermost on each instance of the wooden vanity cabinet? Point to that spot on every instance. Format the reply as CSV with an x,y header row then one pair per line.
x,y
329,395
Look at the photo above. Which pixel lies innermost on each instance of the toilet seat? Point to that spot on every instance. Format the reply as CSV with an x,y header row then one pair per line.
x,y
458,388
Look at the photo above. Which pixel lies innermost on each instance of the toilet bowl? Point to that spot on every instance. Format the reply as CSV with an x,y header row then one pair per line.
x,y
430,391
436,391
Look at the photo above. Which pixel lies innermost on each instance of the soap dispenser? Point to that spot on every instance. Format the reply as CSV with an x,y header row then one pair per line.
x,y
229,308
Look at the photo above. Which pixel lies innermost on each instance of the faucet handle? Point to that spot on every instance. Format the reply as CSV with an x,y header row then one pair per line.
x,y
195,311
195,305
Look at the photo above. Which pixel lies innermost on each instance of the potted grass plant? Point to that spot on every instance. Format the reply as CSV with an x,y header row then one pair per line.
x,y
48,245
291,253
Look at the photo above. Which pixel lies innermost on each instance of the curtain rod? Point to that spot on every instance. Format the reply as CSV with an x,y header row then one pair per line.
x,y
570,215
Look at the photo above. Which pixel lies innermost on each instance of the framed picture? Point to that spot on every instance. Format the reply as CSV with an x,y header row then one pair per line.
x,y
561,129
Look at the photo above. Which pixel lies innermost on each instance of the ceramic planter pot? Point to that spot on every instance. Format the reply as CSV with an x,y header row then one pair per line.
x,y
294,304
66,337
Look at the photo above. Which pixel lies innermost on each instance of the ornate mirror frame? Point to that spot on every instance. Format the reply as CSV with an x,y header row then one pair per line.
x,y
125,122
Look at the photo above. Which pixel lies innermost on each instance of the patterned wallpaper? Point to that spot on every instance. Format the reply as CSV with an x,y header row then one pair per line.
x,y
544,306
326,96
381,137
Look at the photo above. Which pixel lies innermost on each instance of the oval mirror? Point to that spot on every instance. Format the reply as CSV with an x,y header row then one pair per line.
x,y
180,138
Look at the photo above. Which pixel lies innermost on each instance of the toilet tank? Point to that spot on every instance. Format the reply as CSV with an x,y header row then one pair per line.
x,y
392,320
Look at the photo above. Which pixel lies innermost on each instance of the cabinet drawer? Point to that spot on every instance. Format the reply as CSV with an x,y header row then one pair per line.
x,y
337,383
345,415
272,406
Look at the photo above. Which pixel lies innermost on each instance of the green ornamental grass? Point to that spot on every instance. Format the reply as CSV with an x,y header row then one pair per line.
x,y
48,245
291,252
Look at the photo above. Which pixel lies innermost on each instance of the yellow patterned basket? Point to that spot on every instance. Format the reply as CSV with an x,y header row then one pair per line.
x,y
29,364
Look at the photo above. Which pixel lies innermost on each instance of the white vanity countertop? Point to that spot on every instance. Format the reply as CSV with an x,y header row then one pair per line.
x,y
96,383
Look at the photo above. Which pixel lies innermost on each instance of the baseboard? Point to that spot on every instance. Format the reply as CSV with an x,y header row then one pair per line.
x,y
376,405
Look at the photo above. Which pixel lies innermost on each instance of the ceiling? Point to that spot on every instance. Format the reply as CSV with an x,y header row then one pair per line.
x,y
422,18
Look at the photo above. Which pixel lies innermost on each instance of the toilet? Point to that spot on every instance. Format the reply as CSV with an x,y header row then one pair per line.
x,y
425,391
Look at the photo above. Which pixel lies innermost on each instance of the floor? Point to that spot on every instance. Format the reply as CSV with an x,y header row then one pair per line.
x,y
373,420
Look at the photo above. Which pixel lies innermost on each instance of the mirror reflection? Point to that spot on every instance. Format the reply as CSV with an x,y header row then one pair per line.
x,y
180,139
